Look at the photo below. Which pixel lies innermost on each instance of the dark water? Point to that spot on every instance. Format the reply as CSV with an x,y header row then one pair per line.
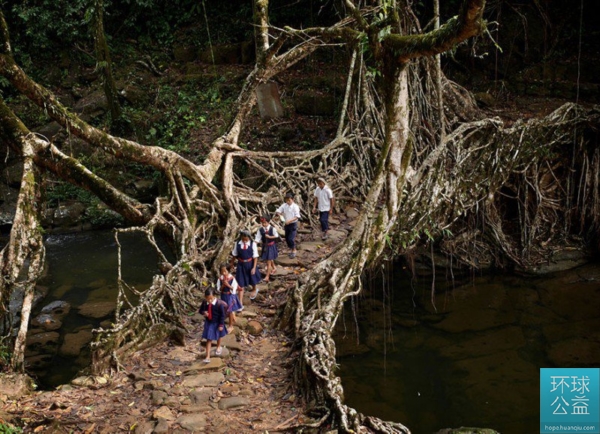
x,y
471,356
82,268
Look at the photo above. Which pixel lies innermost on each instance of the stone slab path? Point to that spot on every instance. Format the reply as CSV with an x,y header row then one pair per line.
x,y
169,389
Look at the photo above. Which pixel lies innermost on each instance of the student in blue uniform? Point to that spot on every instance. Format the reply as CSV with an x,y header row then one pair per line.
x,y
268,236
227,286
215,311
246,271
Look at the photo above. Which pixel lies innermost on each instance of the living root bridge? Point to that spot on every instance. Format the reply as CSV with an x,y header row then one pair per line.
x,y
471,166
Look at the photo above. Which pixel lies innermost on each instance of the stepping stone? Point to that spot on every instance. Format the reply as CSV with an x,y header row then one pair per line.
x,y
210,379
351,213
334,220
305,231
282,272
193,422
233,402
201,396
286,261
231,343
248,313
224,354
204,367
311,246
336,233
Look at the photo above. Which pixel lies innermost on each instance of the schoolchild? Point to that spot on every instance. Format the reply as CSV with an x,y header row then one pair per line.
x,y
227,285
325,203
246,271
214,311
291,214
268,236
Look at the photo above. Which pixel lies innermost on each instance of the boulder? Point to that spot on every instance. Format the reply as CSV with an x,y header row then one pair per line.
x,y
58,309
68,214
43,342
14,386
254,328
100,309
46,322
73,343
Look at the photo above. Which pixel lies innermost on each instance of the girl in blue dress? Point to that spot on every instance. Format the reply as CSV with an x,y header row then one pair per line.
x,y
228,286
246,271
215,311
268,236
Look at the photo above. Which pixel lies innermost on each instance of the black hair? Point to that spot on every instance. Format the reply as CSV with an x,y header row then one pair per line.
x,y
224,265
209,291
290,195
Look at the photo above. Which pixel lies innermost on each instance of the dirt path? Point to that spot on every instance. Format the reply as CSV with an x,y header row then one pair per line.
x,y
168,389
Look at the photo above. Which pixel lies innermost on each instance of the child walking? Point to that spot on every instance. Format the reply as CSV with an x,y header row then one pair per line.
x,y
246,271
214,311
267,235
324,200
228,286
291,214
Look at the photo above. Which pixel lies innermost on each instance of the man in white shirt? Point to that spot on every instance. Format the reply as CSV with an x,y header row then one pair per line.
x,y
291,214
325,203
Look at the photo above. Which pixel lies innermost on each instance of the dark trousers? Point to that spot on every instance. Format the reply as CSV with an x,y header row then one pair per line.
x,y
324,219
290,234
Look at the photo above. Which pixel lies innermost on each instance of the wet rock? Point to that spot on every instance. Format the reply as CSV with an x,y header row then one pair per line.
x,y
97,310
255,328
560,261
193,422
209,379
73,343
43,342
58,309
46,322
68,214
233,402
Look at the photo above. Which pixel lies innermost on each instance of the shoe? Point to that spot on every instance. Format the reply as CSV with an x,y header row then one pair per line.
x,y
255,294
206,360
324,237
241,309
292,255
219,351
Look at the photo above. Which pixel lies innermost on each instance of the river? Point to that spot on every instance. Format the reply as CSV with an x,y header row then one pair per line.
x,y
470,355
82,269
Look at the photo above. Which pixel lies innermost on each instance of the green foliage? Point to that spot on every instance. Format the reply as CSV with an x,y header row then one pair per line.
x,y
5,355
180,111
6,428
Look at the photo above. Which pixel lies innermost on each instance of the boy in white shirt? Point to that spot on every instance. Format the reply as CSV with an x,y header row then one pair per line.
x,y
291,214
324,200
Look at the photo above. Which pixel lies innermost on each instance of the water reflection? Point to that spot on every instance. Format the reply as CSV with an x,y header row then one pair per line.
x,y
470,356
82,271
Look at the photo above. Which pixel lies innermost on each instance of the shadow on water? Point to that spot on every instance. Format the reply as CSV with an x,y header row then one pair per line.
x,y
82,271
470,356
